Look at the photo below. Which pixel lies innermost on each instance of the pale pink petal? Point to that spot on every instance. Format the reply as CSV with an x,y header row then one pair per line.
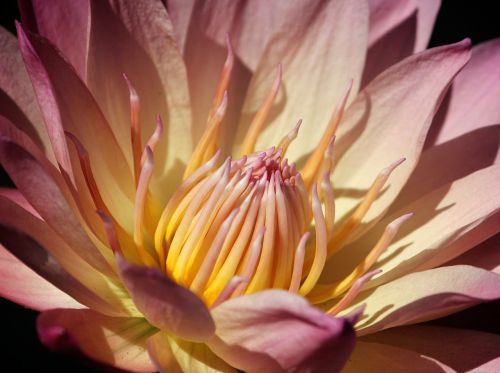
x,y
391,36
450,161
37,184
379,357
277,331
471,351
112,340
17,99
389,120
22,285
473,101
319,64
165,304
173,355
66,24
136,38
68,106
426,16
448,221
425,295
486,255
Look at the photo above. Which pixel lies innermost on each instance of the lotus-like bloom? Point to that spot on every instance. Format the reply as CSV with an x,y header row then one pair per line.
x,y
222,185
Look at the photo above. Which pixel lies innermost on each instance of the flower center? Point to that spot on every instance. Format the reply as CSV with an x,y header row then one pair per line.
x,y
244,225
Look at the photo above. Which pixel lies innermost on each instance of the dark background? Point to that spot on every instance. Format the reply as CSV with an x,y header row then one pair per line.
x,y
20,350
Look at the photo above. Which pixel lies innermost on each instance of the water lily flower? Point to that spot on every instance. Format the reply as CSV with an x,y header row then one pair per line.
x,y
233,185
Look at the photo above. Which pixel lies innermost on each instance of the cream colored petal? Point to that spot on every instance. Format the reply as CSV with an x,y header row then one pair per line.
x,y
319,62
173,355
425,295
486,255
471,350
389,120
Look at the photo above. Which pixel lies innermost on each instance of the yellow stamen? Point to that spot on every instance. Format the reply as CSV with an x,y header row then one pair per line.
x,y
259,120
298,264
289,137
311,168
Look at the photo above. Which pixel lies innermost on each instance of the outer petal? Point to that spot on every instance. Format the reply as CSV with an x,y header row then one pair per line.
x,y
172,355
18,102
68,106
378,357
389,120
165,304
66,24
136,38
23,286
319,63
471,351
485,255
425,295
275,331
111,340
473,101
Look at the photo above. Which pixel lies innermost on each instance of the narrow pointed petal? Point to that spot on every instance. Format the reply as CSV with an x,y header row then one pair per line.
x,y
144,49
172,355
18,101
473,351
65,24
22,285
112,340
165,304
427,11
317,70
472,101
380,357
425,295
266,332
67,105
376,125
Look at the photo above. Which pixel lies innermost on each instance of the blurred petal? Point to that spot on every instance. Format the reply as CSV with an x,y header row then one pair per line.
x,y
485,255
376,132
136,38
22,285
471,351
165,304
112,340
379,357
266,332
425,295
473,101
172,355
18,102
68,106
319,64
66,24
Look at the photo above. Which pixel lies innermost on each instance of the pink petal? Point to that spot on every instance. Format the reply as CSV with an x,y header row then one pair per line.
x,y
22,285
18,102
65,24
36,183
391,36
425,295
319,62
471,351
472,103
389,120
68,106
379,357
277,331
111,340
173,355
486,255
165,304
136,38
427,11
